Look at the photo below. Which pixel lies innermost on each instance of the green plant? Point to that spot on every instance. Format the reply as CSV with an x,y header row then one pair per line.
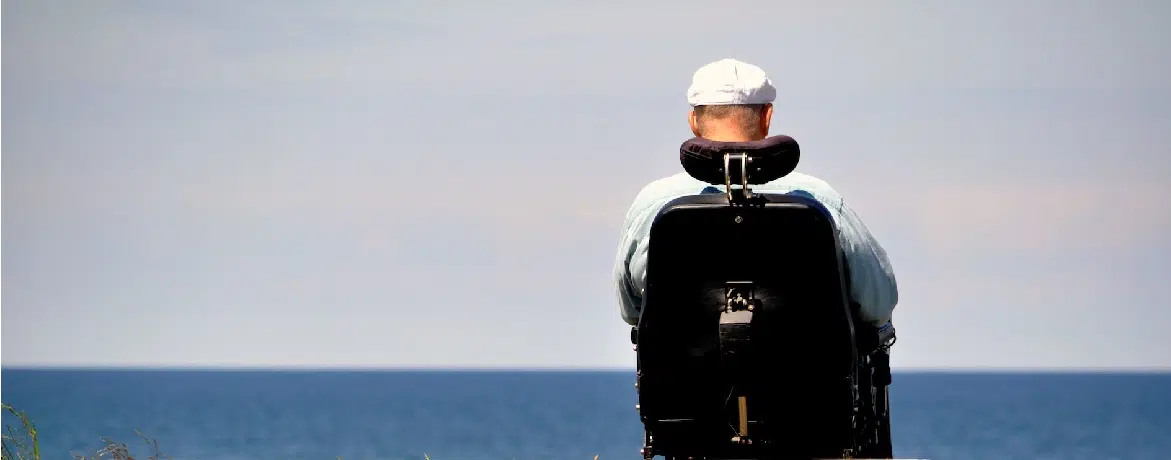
x,y
23,445
118,451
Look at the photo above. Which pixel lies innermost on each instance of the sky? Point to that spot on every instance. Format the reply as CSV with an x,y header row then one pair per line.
x,y
371,183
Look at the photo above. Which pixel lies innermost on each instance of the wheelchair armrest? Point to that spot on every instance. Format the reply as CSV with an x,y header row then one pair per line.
x,y
875,342
886,335
872,339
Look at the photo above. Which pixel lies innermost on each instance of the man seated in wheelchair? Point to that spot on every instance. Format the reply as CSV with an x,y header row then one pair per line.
x,y
759,302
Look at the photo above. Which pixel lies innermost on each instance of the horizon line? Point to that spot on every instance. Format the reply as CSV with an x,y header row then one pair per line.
x,y
470,368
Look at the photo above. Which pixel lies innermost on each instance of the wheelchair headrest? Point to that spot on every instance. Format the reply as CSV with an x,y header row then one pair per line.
x,y
769,159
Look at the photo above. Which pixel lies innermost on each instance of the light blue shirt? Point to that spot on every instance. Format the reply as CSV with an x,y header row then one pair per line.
x,y
873,279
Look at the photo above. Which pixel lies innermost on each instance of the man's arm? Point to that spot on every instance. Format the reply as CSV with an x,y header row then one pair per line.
x,y
630,262
629,300
872,278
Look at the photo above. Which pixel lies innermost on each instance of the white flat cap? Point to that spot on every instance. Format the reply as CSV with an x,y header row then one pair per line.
x,y
728,82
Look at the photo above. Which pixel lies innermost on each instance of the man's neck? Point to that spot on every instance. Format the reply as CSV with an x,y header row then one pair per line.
x,y
729,136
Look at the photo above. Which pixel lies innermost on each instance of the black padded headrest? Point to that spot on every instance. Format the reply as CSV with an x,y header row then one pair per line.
x,y
769,159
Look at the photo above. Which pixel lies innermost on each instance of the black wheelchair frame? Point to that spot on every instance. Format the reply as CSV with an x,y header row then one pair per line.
x,y
748,346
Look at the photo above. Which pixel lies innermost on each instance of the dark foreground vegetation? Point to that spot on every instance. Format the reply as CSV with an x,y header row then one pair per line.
x,y
20,443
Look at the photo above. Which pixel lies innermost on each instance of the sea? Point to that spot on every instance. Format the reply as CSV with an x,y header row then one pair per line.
x,y
469,415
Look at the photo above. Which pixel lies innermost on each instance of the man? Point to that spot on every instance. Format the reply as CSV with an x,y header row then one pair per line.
x,y
732,101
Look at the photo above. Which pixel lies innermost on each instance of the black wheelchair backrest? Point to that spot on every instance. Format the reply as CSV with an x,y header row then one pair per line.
x,y
745,339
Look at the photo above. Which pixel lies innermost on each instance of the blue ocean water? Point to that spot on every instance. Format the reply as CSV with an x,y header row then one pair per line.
x,y
467,415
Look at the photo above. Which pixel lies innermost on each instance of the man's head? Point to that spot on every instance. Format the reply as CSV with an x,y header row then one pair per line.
x,y
731,101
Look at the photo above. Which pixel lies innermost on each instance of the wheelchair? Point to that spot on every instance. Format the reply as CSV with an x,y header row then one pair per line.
x,y
747,344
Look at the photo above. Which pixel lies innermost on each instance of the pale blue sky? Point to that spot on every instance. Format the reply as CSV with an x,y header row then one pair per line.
x,y
395,183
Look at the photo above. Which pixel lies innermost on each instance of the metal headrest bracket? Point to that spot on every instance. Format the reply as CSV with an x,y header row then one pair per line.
x,y
728,157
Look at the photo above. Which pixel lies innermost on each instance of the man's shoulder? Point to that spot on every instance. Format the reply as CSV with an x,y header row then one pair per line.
x,y
800,181
662,190
666,188
671,185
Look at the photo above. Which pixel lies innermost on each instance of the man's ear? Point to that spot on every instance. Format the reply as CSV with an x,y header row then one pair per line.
x,y
766,118
693,122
